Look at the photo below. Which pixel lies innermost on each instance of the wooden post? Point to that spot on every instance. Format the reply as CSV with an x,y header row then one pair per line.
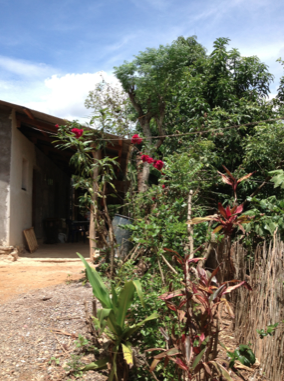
x,y
93,211
189,246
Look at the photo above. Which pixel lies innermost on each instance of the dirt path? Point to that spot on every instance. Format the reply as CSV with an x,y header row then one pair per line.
x,y
28,274
38,333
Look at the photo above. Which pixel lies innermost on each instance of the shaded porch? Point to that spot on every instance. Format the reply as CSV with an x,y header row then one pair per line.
x,y
60,250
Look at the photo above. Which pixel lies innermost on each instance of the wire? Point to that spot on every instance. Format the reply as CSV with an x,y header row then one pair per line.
x,y
201,132
182,134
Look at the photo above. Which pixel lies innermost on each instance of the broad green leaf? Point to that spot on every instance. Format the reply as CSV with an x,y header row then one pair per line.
x,y
245,355
114,296
99,289
113,325
113,372
127,353
124,301
138,287
103,314
198,358
100,364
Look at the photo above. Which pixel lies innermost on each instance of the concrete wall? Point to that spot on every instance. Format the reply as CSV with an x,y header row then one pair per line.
x,y
20,200
46,193
5,159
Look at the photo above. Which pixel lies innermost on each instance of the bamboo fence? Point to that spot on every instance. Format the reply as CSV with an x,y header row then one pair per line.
x,y
262,306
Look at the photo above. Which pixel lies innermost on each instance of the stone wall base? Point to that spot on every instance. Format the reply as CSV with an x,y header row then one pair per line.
x,y
10,253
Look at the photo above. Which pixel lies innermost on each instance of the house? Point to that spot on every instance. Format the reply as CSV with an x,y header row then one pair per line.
x,y
35,177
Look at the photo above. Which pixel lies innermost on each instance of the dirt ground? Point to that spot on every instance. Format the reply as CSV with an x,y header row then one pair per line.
x,y
48,266
42,312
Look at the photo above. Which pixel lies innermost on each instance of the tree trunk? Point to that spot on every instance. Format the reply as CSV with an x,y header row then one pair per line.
x,y
110,233
93,210
142,176
144,118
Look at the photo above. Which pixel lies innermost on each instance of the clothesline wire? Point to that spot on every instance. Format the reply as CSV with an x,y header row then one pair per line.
x,y
182,134
200,132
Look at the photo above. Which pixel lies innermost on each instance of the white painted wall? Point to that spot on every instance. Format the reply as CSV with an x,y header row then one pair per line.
x,y
20,200
5,159
4,206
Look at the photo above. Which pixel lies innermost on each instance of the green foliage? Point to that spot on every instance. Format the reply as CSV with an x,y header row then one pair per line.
x,y
265,146
152,335
243,354
153,72
268,216
55,360
269,331
160,213
111,109
202,99
84,163
218,91
112,320
278,178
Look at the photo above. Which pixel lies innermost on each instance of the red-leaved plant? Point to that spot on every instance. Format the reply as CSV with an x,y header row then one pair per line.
x,y
196,305
231,180
228,219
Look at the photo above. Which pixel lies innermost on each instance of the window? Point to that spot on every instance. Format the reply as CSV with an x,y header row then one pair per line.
x,y
24,174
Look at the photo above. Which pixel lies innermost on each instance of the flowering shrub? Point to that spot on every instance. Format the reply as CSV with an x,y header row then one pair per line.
x,y
78,132
158,164
147,158
136,139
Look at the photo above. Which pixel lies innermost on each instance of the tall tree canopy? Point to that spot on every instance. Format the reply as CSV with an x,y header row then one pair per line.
x,y
149,78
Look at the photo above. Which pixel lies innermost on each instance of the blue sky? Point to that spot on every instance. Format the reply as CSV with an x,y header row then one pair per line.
x,y
53,52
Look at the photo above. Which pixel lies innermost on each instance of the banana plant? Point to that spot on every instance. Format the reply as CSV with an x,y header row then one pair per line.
x,y
111,320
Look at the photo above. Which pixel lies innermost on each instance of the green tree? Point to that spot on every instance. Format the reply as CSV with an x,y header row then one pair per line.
x,y
148,80
110,107
218,91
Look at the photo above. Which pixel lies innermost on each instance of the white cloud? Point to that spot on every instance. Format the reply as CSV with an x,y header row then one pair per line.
x,y
41,88
23,68
64,96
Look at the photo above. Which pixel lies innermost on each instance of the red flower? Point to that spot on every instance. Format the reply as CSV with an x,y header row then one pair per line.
x,y
144,158
150,160
163,186
153,198
147,158
158,164
136,139
57,126
78,132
